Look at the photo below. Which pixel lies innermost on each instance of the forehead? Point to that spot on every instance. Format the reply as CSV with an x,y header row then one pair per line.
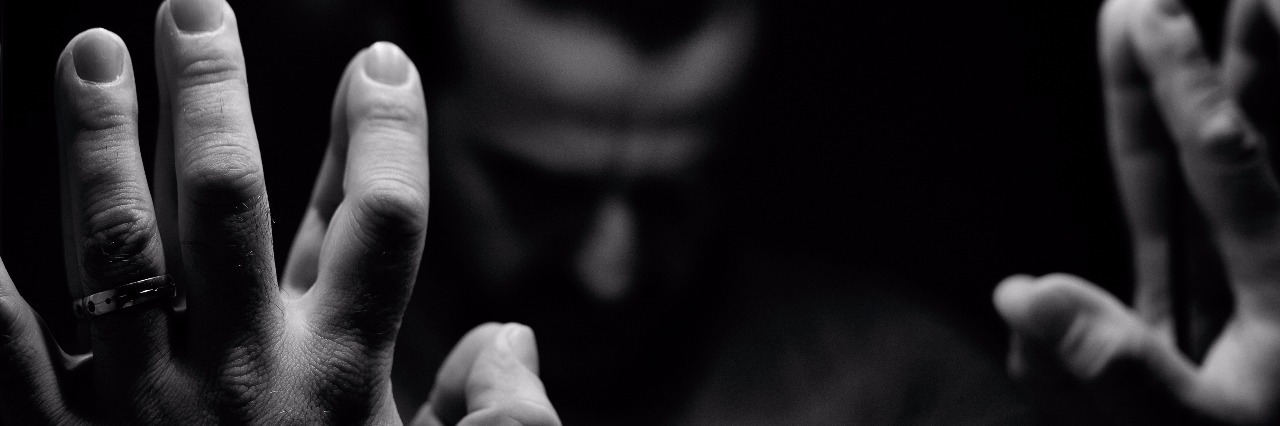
x,y
566,88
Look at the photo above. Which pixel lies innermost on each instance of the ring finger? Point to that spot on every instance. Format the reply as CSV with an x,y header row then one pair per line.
x,y
110,220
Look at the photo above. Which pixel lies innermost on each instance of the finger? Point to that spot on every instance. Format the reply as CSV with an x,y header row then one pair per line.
x,y
164,183
1251,61
491,377
112,225
303,265
448,399
34,372
370,256
1145,163
1098,342
1222,155
504,387
1159,78
1251,64
224,220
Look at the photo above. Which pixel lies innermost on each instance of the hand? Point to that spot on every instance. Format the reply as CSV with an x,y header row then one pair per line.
x,y
1170,109
490,377
242,351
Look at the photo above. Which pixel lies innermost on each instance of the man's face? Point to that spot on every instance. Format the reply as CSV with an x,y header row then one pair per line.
x,y
575,137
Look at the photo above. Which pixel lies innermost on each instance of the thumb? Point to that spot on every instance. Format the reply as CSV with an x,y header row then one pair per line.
x,y
1098,342
491,377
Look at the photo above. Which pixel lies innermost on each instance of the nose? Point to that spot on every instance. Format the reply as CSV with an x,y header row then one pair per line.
x,y
606,262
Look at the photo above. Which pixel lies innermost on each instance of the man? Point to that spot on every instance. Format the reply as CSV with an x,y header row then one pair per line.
x,y
579,151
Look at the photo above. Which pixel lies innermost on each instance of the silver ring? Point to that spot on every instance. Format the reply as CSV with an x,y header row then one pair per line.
x,y
125,296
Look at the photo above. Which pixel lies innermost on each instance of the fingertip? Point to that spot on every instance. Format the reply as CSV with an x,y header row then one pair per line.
x,y
1016,279
485,329
1114,52
98,56
197,16
523,344
1043,308
1111,18
386,63
1010,294
382,83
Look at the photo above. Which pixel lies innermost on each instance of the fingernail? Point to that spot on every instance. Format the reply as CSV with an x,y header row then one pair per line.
x,y
1172,7
386,64
196,16
98,57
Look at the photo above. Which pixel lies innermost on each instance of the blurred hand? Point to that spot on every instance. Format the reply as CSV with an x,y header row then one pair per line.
x,y
490,378
1171,111
314,348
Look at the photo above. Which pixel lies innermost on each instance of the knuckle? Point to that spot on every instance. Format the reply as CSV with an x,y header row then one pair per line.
x,y
393,207
105,118
388,113
210,70
221,173
1222,138
120,241
10,305
1095,351
1053,307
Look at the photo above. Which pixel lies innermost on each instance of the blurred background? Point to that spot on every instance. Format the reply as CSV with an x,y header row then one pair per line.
x,y
945,144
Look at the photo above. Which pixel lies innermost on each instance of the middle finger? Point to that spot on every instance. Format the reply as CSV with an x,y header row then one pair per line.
x,y
224,222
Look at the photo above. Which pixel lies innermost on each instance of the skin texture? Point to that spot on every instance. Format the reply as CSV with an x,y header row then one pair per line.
x,y
313,348
1174,115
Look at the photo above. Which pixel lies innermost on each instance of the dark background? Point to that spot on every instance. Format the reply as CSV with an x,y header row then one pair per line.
x,y
952,142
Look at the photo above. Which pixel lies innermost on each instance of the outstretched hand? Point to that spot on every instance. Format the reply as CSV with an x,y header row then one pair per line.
x,y
315,347
1172,111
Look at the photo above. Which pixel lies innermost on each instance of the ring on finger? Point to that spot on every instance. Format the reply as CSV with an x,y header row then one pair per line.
x,y
129,295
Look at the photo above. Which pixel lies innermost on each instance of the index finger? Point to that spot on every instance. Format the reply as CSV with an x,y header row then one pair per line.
x,y
491,375
1223,156
1145,163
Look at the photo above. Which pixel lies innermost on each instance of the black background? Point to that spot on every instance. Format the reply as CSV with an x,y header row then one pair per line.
x,y
953,142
